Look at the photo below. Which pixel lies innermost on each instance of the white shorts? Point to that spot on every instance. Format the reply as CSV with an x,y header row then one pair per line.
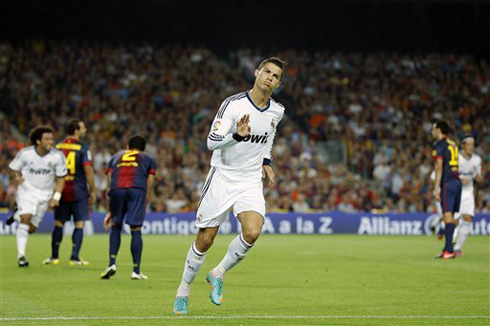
x,y
467,206
219,195
29,202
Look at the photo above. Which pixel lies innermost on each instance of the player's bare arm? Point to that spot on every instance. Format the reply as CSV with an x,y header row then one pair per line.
x,y
108,217
149,187
89,173
268,173
17,177
60,184
437,188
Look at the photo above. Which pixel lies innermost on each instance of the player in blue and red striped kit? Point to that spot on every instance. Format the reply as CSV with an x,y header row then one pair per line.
x,y
130,175
448,186
75,197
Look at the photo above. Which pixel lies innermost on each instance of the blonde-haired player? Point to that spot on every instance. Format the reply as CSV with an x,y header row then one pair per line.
x,y
469,170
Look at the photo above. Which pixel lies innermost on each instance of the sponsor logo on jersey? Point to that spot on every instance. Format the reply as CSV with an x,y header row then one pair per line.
x,y
257,139
39,171
273,123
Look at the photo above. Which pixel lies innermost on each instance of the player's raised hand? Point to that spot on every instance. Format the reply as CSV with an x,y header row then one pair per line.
x,y
243,126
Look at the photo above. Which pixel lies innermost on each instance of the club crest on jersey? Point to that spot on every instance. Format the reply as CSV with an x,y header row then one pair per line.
x,y
273,123
216,125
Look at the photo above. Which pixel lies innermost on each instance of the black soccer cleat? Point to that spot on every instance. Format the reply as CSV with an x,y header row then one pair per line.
x,y
22,262
11,220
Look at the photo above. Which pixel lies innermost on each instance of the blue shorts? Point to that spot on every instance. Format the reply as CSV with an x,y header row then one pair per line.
x,y
451,196
128,204
78,209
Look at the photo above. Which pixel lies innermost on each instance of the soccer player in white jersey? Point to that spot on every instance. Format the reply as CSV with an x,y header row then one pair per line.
x,y
35,169
241,138
469,170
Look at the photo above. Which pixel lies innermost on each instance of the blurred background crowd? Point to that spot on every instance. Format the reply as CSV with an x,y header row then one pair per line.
x,y
355,137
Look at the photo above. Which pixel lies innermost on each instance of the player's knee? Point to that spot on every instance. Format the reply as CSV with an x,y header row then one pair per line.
x,y
79,224
32,229
25,219
58,223
135,228
251,235
467,218
204,243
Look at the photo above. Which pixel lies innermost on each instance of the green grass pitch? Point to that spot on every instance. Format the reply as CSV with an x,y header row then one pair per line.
x,y
318,280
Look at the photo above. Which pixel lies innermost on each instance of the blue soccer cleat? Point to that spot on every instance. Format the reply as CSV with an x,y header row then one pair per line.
x,y
180,306
216,294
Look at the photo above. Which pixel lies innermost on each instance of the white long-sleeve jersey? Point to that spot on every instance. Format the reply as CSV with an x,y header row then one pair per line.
x,y
470,169
237,159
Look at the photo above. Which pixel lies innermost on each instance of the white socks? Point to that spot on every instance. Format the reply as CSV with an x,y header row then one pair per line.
x,y
464,230
22,235
237,250
193,263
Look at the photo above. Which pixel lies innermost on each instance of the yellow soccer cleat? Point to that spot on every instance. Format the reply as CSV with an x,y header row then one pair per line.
x,y
51,261
78,262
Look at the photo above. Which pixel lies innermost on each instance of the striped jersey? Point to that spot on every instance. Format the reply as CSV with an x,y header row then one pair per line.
x,y
77,157
130,169
236,158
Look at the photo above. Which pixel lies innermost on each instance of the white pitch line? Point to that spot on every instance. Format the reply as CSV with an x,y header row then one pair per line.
x,y
238,317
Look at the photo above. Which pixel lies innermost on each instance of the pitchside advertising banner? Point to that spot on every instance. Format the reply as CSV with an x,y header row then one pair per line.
x,y
291,223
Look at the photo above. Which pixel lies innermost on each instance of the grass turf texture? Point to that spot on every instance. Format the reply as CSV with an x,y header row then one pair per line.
x,y
295,275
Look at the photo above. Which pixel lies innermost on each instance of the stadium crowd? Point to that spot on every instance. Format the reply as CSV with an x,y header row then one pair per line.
x,y
379,107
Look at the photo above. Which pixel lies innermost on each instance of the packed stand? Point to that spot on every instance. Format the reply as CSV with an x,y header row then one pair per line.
x,y
378,106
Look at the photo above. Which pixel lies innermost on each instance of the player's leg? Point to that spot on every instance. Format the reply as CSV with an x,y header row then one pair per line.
x,y
136,251
450,203
118,210
467,210
61,215
56,238
195,258
136,200
249,208
450,225
193,262
464,231
22,235
80,214
237,250
214,208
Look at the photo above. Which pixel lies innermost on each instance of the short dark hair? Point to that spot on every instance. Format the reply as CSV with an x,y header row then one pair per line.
x,y
282,64
37,133
444,126
71,126
137,142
